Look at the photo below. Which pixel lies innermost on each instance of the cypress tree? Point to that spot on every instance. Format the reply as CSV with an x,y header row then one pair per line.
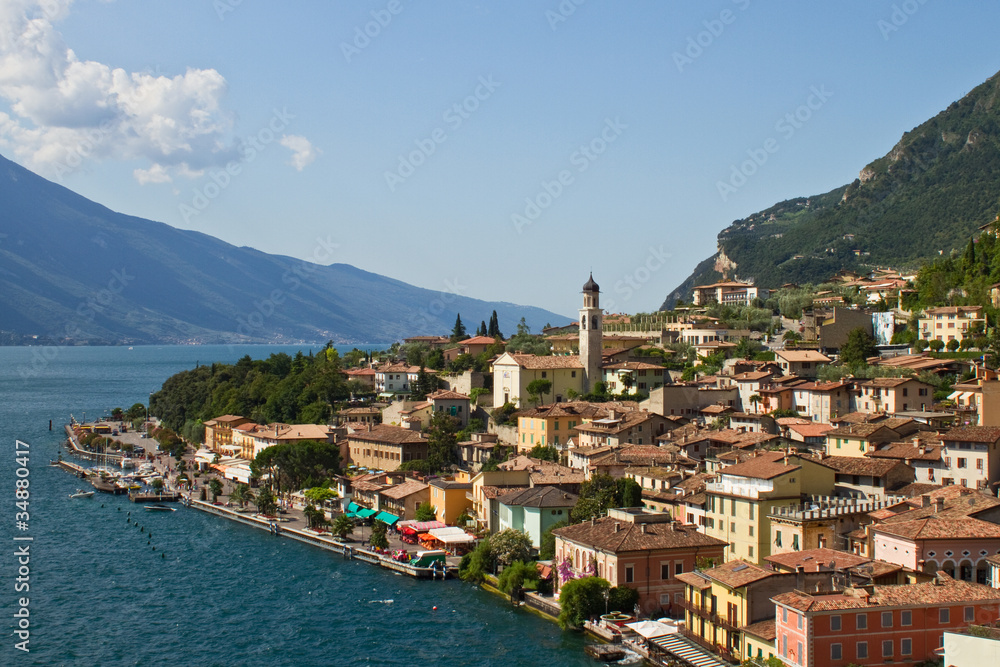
x,y
459,332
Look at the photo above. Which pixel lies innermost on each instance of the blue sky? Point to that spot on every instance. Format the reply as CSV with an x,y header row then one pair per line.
x,y
499,149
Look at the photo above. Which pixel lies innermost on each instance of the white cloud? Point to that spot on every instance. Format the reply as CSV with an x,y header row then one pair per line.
x,y
65,110
303,152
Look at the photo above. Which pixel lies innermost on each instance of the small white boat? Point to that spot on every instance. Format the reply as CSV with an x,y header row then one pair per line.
x,y
80,493
159,508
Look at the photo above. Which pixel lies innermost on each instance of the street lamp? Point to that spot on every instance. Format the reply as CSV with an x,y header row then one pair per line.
x,y
607,594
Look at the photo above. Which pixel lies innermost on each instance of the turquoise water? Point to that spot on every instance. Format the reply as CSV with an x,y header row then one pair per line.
x,y
212,592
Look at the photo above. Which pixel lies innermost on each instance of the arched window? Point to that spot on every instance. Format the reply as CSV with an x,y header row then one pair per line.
x,y
583,322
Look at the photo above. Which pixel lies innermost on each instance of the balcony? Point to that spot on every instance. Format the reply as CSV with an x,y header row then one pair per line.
x,y
717,649
714,619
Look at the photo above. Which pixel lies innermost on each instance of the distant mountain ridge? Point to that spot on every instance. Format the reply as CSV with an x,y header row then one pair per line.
x,y
75,272
927,196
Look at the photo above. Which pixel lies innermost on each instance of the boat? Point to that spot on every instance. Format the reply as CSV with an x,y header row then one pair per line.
x,y
159,508
80,493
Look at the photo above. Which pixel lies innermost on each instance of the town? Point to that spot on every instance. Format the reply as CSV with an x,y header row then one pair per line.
x,y
810,490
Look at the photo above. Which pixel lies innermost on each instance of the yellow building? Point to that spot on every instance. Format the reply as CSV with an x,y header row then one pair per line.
x,y
450,499
951,322
742,496
551,425
856,440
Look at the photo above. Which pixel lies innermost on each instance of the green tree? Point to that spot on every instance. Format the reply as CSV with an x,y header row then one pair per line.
x,y
319,494
629,492
580,600
425,512
518,574
442,450
545,453
378,538
538,388
315,517
952,345
623,598
479,562
920,346
481,331
458,332
510,545
215,487
859,346
342,526
266,502
936,345
157,484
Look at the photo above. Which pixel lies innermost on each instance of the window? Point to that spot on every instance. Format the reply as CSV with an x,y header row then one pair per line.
x,y
751,531
905,646
906,618
835,652
862,622
665,571
750,552
887,648
970,614
751,513
944,615
862,648
961,463
784,614
798,621
572,374
629,574
679,567
777,538
795,542
835,624
798,654
979,464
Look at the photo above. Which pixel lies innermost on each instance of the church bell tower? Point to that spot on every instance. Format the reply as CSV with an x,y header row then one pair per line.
x,y
591,336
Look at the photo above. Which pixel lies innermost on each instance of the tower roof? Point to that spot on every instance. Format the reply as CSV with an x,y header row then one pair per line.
x,y
591,286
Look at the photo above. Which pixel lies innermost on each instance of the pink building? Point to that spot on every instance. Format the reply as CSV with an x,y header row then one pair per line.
x,y
877,625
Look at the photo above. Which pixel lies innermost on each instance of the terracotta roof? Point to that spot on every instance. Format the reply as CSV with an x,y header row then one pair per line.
x,y
802,356
752,376
905,450
738,573
539,496
490,492
534,362
851,465
570,409
619,536
915,489
477,340
763,629
812,560
633,366
859,431
931,593
695,580
987,434
446,395
716,409
888,382
612,426
811,430
407,488
641,455
766,465
934,528
396,435
229,419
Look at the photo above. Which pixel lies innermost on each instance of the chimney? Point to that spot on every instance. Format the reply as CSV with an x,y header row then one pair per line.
x,y
642,528
618,526
939,504
369,427
925,501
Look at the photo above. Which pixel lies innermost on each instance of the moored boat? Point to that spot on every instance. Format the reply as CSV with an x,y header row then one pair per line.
x,y
80,493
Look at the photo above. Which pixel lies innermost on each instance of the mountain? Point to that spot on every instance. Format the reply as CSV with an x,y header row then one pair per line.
x,y
74,272
926,197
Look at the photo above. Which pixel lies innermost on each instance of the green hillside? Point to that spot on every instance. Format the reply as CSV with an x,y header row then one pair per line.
x,y
925,198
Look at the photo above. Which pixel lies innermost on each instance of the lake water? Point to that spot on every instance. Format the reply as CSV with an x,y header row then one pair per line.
x,y
186,588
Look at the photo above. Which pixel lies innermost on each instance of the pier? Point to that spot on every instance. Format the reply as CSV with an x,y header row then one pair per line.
x,y
323,542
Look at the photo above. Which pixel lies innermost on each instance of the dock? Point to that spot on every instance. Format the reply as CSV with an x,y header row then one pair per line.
x,y
605,652
154,497
325,542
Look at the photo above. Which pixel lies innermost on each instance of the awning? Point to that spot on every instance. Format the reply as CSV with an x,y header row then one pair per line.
x,y
385,517
421,526
352,507
367,513
650,629
452,535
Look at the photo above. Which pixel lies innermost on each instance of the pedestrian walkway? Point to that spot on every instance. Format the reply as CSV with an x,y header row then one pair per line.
x,y
686,650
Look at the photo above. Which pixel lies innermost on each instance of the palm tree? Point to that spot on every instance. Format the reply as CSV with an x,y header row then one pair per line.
x,y
755,400
342,526
215,486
